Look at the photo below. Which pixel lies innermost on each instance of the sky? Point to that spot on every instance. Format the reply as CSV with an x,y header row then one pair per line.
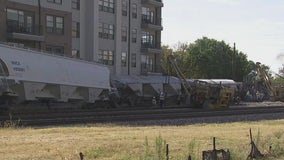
x,y
256,26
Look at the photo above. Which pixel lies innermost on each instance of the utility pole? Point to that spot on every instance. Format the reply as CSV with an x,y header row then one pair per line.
x,y
234,63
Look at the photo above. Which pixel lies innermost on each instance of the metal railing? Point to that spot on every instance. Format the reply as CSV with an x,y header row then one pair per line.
x,y
146,68
151,20
17,27
156,45
154,0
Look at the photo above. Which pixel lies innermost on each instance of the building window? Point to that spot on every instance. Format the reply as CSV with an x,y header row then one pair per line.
x,y
133,60
124,33
59,50
100,30
106,57
21,22
75,53
147,15
106,6
147,40
29,24
124,8
76,4
134,35
146,63
75,29
55,1
106,31
123,59
54,24
134,11
49,24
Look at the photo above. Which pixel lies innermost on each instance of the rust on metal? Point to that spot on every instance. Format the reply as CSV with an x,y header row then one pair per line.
x,y
215,154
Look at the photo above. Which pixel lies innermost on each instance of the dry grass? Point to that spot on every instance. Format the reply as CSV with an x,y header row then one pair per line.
x,y
109,142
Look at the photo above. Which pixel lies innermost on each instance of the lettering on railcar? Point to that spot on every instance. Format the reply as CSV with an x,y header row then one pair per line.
x,y
17,67
16,63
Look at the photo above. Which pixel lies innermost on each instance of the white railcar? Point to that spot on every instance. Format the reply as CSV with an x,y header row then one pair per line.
x,y
35,75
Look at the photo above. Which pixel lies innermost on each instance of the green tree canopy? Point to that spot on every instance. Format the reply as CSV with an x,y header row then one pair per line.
x,y
210,59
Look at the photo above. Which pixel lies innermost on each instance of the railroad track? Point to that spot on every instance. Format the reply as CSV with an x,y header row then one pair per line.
x,y
60,117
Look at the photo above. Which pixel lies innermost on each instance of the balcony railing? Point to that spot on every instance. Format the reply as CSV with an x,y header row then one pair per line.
x,y
17,27
155,0
150,20
150,68
158,3
156,45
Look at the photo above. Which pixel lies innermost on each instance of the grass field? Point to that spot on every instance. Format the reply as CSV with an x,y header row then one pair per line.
x,y
110,142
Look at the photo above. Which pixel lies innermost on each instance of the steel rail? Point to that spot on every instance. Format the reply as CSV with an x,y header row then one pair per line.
x,y
61,118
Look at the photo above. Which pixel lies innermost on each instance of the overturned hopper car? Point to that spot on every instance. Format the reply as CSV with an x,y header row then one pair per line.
x,y
31,75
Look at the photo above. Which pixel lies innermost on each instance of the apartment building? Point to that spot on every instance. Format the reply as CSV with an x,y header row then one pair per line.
x,y
42,24
125,35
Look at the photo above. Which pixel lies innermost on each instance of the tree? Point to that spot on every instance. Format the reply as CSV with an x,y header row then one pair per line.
x,y
166,52
281,70
213,59
280,76
210,59
180,57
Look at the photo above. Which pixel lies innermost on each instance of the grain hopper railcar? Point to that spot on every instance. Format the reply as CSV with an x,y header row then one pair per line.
x,y
31,75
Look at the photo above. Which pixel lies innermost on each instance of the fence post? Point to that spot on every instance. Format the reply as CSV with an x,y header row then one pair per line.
x,y
167,152
81,156
214,149
189,157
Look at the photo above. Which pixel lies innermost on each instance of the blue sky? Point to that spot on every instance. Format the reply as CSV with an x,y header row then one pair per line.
x,y
256,26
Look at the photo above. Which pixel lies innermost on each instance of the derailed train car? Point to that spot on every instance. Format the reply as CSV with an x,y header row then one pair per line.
x,y
27,75
30,75
227,91
138,90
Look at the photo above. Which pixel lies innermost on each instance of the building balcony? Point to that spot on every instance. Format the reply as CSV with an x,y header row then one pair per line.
x,y
150,23
150,68
17,30
151,48
157,3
